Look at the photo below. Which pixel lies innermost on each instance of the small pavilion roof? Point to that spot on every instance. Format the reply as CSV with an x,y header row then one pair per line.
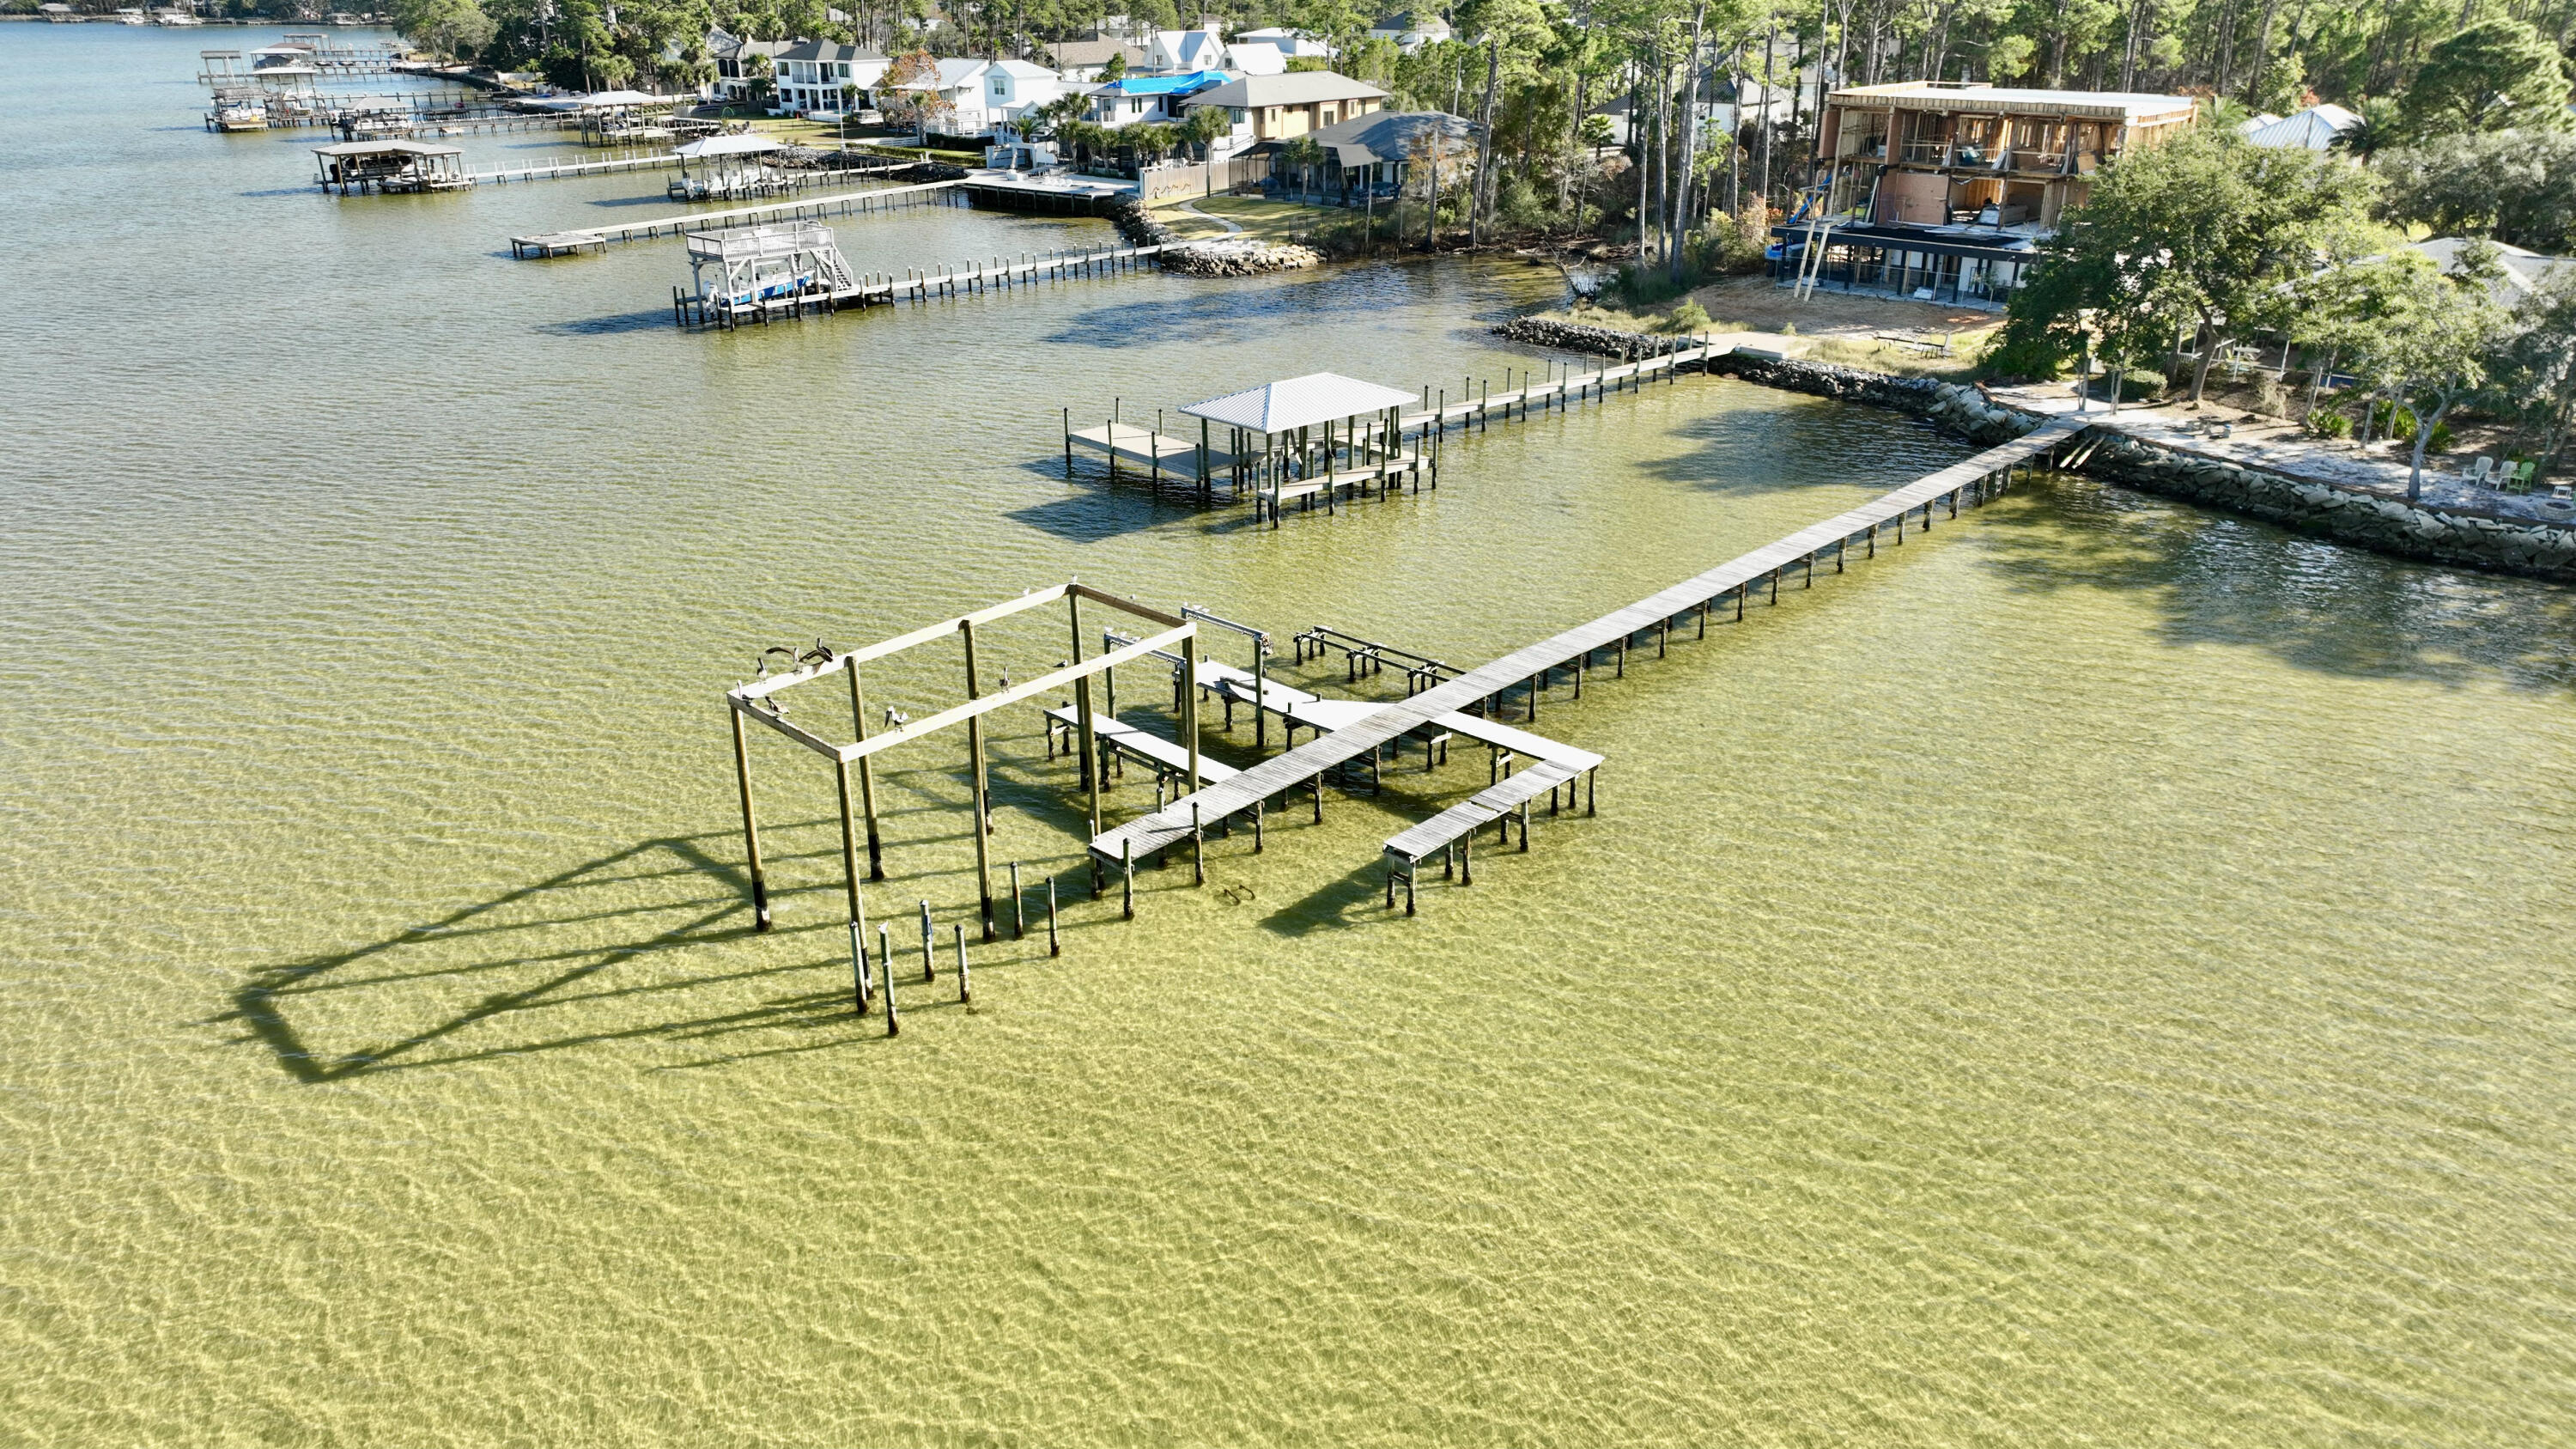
x,y
746,144
1299,402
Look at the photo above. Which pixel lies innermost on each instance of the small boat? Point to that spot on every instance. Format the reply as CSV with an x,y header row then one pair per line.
x,y
241,118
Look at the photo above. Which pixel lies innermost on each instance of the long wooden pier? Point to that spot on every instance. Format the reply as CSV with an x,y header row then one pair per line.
x,y
882,198
869,289
1530,670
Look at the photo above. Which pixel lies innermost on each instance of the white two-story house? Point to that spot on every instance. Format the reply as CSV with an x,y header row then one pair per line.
x,y
818,75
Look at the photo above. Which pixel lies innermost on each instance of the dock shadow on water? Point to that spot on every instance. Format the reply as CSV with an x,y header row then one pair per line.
x,y
563,962
652,319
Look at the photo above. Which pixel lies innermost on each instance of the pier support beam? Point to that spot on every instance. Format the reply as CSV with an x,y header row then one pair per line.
x,y
750,829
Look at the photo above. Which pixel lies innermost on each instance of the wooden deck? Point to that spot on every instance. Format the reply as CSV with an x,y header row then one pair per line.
x,y
1973,480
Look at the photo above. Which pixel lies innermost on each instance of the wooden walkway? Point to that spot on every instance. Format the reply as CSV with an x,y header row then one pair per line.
x,y
557,170
870,289
881,199
1531,669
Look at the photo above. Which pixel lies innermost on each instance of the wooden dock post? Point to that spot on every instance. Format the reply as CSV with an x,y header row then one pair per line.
x,y
965,990
850,860
1260,808
983,799
1467,859
885,970
929,965
1198,848
750,829
1127,863
1019,906
1055,946
1068,444
867,775
858,970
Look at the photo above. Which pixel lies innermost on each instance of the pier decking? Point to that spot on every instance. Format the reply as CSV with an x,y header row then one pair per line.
x,y
594,237
868,289
1532,667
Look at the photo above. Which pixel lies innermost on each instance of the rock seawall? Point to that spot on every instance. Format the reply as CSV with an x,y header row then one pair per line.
x,y
2346,515
2382,525
1135,221
1575,337
1962,410
1239,257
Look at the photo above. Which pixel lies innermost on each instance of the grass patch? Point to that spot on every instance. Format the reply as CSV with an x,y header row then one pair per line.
x,y
1270,221
1957,365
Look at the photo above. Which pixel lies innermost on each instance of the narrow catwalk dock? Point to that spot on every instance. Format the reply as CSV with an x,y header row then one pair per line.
x,y
1530,669
594,238
870,289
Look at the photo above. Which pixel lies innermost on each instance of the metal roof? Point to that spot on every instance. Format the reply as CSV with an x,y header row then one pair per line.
x,y
1300,402
1991,100
742,145
387,148
1297,88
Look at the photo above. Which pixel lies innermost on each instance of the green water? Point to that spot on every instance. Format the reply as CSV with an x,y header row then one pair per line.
x,y
2098,975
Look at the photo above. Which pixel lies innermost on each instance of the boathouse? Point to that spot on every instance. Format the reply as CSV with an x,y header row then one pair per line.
x,y
389,166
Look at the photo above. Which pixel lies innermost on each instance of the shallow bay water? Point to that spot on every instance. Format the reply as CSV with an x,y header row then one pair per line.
x,y
2095,975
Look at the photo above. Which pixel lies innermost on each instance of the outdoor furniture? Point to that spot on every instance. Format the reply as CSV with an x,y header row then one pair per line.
x,y
2477,473
2517,476
2563,492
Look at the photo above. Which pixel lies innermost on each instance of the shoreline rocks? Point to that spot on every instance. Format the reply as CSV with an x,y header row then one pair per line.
x,y
2352,516
1239,257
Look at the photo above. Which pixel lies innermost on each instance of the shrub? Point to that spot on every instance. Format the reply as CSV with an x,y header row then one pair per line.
x,y
2327,423
1690,316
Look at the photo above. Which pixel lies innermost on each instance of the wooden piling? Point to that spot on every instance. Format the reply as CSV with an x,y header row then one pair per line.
x,y
965,991
1055,946
750,828
929,965
1127,863
885,970
983,802
1019,906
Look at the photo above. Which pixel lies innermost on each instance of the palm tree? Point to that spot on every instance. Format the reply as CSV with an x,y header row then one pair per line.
x,y
2378,130
1306,154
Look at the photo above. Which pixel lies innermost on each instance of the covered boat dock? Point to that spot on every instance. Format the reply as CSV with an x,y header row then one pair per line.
x,y
387,166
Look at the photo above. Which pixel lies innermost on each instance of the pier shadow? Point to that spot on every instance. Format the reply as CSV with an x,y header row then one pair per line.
x,y
579,950
656,319
2310,602
1101,510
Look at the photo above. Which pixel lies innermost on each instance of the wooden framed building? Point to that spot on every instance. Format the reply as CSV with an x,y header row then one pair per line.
x,y
1936,152
1940,190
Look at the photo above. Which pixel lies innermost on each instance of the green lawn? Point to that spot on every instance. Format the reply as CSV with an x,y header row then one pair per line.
x,y
1276,221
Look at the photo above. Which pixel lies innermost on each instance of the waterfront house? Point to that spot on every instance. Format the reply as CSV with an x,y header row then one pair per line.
x,y
979,95
821,75
1013,88
1372,155
1279,107
737,71
1152,99
1939,190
